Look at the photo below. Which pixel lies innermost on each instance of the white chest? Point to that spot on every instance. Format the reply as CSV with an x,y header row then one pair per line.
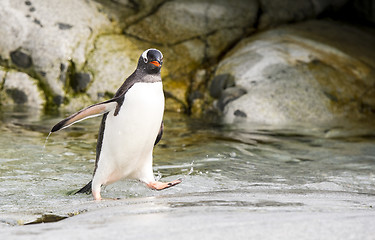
x,y
141,112
129,137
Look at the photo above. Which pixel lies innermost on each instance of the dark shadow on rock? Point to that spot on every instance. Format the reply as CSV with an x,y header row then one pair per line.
x,y
18,96
21,59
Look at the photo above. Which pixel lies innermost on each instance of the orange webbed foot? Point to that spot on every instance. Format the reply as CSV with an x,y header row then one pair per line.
x,y
163,185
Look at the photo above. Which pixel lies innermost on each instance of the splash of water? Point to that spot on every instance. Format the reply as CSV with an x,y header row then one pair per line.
x,y
191,168
45,143
158,177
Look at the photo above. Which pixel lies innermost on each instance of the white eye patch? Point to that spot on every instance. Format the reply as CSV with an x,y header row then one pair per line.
x,y
144,54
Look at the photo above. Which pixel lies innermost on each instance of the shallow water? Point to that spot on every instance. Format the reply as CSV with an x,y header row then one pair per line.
x,y
237,179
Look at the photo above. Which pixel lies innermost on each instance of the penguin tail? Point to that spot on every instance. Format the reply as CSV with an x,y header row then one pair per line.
x,y
86,189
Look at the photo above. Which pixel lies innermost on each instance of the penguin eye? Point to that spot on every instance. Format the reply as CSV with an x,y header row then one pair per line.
x,y
145,60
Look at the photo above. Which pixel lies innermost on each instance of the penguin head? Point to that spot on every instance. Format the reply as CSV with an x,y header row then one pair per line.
x,y
150,61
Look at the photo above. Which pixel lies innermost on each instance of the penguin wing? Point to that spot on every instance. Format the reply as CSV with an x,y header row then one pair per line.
x,y
89,112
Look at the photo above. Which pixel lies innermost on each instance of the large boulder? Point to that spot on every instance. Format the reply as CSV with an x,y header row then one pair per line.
x,y
192,34
44,38
113,59
311,72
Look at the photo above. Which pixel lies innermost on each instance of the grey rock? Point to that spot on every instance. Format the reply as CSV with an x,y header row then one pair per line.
x,y
314,72
47,34
190,34
195,30
20,89
127,12
177,21
113,59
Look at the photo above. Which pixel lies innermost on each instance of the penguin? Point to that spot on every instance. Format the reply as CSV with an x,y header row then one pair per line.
x,y
131,126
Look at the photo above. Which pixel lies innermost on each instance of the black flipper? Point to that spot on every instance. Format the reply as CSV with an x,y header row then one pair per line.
x,y
89,112
86,189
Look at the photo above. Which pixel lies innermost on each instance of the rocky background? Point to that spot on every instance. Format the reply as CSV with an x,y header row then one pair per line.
x,y
265,61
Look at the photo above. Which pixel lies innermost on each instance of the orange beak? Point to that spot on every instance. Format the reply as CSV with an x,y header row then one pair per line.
x,y
156,63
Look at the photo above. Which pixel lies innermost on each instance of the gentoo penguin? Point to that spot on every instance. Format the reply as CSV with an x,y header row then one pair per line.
x,y
131,126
